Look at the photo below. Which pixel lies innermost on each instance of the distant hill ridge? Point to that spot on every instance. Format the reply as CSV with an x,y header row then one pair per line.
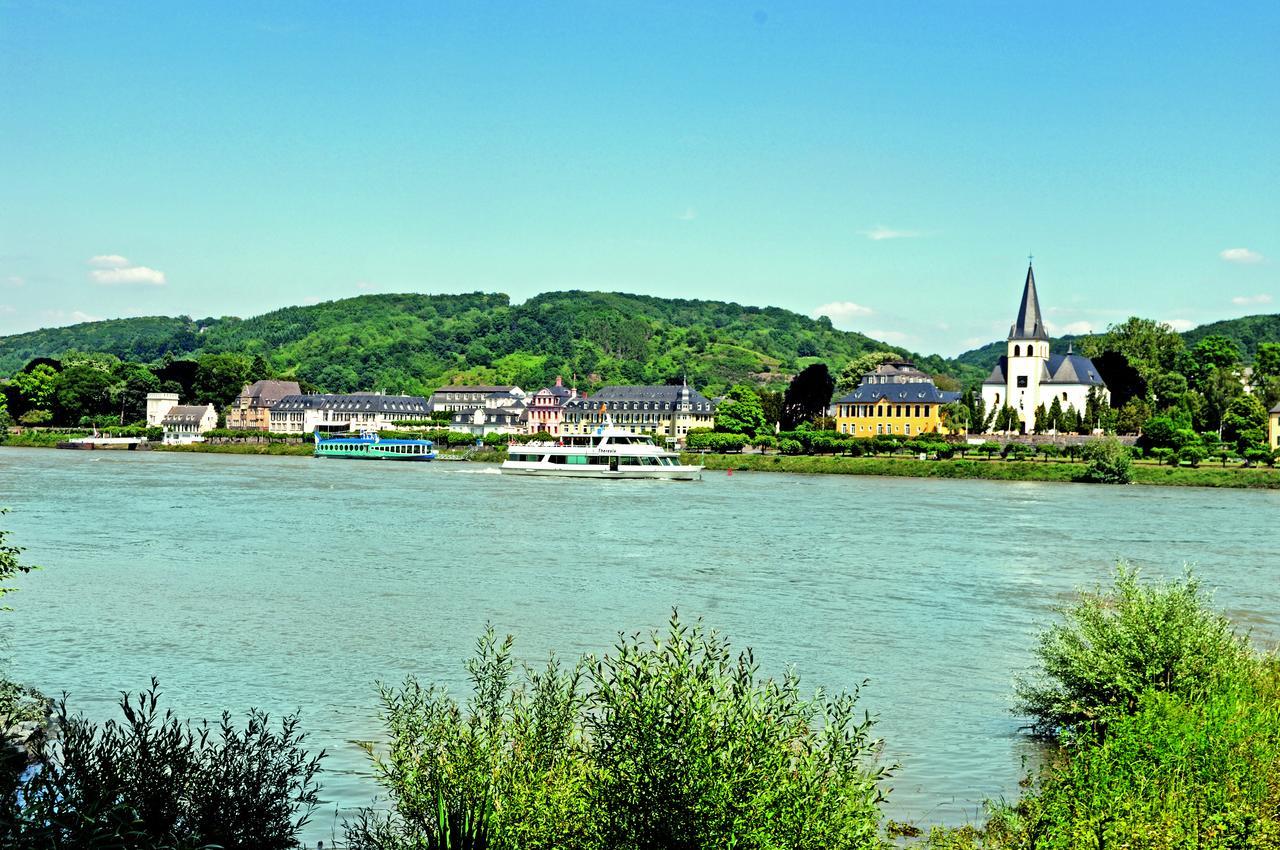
x,y
414,342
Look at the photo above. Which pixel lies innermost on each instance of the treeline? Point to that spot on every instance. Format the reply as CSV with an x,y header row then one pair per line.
x,y
101,390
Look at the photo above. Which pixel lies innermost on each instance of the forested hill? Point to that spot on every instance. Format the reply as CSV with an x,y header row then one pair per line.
x,y
414,342
1248,332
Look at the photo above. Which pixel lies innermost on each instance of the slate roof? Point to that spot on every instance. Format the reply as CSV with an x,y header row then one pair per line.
x,y
466,388
1058,369
916,392
492,415
267,393
662,397
1030,324
1276,409
185,414
355,402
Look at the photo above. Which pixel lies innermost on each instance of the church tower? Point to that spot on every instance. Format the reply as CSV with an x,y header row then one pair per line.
x,y
1028,355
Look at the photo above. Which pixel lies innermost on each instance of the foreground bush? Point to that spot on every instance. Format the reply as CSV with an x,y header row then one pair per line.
x,y
1170,732
156,782
666,743
1113,647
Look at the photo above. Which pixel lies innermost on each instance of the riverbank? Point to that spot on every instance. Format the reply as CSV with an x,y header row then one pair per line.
x,y
993,470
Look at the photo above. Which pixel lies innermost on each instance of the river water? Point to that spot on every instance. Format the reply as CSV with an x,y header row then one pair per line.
x,y
295,584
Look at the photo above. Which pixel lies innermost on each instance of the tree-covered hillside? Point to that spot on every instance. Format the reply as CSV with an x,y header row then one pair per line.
x,y
1247,332
414,343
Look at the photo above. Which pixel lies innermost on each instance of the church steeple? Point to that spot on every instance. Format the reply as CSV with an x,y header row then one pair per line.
x,y
1030,325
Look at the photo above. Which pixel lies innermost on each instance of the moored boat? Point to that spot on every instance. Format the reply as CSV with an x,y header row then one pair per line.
x,y
367,445
608,453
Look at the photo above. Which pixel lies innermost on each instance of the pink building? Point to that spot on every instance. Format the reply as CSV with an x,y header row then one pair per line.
x,y
546,408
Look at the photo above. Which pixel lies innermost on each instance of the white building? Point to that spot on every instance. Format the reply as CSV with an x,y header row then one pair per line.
x,y
1029,375
303,414
158,404
457,398
186,423
483,421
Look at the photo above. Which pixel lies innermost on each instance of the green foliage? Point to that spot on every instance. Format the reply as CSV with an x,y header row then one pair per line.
x,y
670,742
1112,647
790,447
703,439
155,782
807,396
851,375
11,565
741,412
1107,461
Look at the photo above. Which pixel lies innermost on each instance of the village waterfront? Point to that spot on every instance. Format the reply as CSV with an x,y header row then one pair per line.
x,y
289,583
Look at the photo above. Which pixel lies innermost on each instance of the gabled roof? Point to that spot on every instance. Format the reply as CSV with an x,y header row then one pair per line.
x,y
667,394
1276,409
362,402
997,373
1072,369
916,392
267,393
187,413
1030,324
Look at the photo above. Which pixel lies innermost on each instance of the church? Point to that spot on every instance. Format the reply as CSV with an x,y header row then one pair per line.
x,y
1029,375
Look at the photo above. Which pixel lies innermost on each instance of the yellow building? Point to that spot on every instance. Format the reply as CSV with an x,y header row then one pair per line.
x,y
1275,427
897,398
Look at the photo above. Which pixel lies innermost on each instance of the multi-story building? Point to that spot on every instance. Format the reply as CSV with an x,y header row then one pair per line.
x,y
1275,427
1029,376
186,423
664,411
488,420
252,408
895,398
303,414
546,408
457,398
158,404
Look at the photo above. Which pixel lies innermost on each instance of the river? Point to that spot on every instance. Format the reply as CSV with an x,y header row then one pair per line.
x,y
295,584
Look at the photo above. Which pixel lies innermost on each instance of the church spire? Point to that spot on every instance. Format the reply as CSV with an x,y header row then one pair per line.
x,y
1029,325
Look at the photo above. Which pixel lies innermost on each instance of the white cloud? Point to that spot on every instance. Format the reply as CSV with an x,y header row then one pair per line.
x,y
1181,324
1241,255
312,300
840,311
1075,328
880,232
5,310
688,215
363,284
128,274
1246,300
71,317
15,280
109,261
889,336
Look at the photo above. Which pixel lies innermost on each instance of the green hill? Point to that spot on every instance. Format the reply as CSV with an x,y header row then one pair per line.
x,y
414,342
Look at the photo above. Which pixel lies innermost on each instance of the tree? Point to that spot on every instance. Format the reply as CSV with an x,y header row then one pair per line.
x,y
1042,418
1108,461
1121,377
132,384
82,390
955,417
1133,416
1007,421
1070,420
1150,347
36,387
1053,419
807,396
771,405
1096,409
1244,421
741,412
1169,389
1266,363
219,379
851,375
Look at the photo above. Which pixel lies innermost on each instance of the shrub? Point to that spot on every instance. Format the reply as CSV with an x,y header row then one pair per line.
x,y
790,447
669,742
1107,461
1192,455
1017,451
1095,666
156,782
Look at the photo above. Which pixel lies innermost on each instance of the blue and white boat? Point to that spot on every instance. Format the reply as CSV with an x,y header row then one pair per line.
x,y
367,445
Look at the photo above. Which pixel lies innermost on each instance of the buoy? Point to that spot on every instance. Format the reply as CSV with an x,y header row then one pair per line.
x,y
731,472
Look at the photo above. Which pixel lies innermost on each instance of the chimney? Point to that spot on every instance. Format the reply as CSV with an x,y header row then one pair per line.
x,y
559,381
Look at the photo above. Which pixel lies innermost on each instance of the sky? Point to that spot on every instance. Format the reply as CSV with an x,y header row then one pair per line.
x,y
889,165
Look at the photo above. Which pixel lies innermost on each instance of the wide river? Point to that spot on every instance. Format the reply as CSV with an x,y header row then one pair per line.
x,y
296,584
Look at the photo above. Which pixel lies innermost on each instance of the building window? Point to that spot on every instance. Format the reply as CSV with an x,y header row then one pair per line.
x,y
1022,382
1017,352
906,429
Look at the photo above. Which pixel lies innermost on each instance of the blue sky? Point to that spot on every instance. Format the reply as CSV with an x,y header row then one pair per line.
x,y
889,164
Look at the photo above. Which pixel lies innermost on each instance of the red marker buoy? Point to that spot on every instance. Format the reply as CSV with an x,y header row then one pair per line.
x,y
731,472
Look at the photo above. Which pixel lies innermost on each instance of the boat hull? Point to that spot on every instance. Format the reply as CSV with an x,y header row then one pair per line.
x,y
658,473
373,456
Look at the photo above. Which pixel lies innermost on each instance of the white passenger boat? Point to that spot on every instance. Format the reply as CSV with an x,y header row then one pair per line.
x,y
608,453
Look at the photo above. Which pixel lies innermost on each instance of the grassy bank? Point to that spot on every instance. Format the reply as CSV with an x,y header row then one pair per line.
x,y
995,470
39,439
297,449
